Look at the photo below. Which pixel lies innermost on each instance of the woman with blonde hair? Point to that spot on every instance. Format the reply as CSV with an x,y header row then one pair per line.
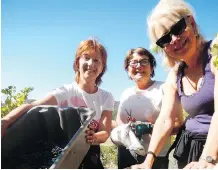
x,y
190,85
89,65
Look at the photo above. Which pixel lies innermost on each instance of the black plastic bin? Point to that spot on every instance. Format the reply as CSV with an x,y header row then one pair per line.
x,y
47,137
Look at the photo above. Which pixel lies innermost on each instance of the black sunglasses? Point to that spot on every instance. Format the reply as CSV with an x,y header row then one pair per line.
x,y
176,29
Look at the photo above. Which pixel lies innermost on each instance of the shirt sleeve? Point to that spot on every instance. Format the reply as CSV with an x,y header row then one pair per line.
x,y
121,109
159,97
122,99
61,95
109,103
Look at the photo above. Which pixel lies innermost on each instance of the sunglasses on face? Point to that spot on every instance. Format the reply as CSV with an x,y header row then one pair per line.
x,y
176,29
134,63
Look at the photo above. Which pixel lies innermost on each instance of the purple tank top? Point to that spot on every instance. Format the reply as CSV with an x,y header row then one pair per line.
x,y
200,105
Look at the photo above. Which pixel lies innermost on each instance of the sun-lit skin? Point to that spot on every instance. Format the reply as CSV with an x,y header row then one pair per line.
x,y
140,74
90,66
188,47
182,47
185,47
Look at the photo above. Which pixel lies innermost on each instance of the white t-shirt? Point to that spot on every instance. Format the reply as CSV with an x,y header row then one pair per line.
x,y
73,95
144,105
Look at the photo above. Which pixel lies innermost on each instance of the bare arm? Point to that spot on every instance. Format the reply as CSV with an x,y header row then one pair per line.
x,y
211,145
104,129
105,126
178,120
11,117
164,124
212,138
178,123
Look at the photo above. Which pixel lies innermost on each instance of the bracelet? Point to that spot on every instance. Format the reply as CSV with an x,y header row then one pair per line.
x,y
209,159
152,153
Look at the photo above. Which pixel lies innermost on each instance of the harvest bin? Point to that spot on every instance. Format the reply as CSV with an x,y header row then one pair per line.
x,y
47,137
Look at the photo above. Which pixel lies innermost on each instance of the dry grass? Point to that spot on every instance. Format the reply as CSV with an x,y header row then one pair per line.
x,y
109,156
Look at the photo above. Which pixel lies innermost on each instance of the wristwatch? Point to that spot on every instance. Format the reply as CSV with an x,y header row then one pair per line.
x,y
152,153
209,159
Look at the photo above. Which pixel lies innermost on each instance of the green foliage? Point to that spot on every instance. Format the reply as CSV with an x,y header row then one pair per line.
x,y
114,115
214,52
156,49
109,156
185,114
13,99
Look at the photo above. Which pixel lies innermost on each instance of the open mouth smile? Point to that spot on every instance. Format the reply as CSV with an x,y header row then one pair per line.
x,y
180,47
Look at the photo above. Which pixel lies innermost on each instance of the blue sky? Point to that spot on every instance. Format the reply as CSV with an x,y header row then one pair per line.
x,y
40,38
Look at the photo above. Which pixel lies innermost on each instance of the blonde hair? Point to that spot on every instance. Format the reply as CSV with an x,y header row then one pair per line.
x,y
87,47
173,10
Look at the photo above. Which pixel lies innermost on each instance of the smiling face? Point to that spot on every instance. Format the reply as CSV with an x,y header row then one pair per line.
x,y
90,62
140,73
161,20
182,46
90,66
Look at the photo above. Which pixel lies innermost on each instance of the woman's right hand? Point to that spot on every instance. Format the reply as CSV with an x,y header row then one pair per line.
x,y
91,135
4,126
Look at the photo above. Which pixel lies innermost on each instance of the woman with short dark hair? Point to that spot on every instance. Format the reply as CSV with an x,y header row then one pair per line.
x,y
141,103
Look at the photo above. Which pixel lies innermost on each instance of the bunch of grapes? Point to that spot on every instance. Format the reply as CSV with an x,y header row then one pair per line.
x,y
214,52
41,155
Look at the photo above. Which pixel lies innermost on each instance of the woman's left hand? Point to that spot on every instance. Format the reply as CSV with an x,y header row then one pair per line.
x,y
201,164
91,135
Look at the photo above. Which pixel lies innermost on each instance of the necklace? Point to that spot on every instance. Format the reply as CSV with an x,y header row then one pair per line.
x,y
195,87
189,81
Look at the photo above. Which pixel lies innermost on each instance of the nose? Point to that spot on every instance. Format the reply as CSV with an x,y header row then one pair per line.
x,y
90,62
175,39
138,65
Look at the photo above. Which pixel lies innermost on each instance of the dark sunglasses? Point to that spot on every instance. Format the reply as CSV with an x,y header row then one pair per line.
x,y
176,29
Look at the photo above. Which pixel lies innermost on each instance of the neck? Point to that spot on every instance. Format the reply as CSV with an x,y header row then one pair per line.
x,y
88,87
196,59
145,84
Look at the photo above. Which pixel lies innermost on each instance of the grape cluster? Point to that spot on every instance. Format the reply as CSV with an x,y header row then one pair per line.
x,y
41,155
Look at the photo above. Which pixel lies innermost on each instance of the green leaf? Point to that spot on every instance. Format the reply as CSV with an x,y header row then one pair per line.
x,y
13,99
214,52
